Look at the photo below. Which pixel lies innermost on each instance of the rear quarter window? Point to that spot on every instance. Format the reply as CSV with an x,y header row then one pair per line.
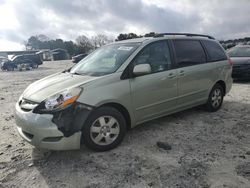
x,y
214,50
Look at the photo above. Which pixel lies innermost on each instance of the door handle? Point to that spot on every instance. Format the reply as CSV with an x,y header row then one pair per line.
x,y
182,72
171,75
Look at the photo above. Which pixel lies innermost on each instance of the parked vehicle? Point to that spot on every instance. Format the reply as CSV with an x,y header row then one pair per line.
x,y
79,57
3,60
20,62
240,56
7,65
121,85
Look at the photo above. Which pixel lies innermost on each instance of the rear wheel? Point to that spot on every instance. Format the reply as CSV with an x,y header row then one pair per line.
x,y
104,129
20,67
215,98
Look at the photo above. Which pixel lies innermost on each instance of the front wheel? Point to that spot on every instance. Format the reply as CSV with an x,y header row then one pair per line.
x,y
215,98
104,129
10,68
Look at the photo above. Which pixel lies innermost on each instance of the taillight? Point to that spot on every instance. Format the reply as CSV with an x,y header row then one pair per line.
x,y
230,62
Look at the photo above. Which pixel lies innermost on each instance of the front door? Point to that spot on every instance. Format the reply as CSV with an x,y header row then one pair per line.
x,y
154,94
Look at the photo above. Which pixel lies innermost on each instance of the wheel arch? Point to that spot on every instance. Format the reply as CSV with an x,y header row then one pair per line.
x,y
122,110
223,85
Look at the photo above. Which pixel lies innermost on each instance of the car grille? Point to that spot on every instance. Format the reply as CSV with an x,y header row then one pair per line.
x,y
27,105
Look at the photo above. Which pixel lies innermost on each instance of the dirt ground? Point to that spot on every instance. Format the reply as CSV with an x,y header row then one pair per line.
x,y
207,149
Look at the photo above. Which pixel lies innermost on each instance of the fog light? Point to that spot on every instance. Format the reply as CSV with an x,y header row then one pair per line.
x,y
52,139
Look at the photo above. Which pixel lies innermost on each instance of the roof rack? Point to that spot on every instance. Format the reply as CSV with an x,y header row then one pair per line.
x,y
185,34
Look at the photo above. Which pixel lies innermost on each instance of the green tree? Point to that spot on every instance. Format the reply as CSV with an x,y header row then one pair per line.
x,y
126,36
33,42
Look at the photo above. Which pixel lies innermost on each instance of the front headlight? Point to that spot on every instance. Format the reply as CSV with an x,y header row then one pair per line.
x,y
61,100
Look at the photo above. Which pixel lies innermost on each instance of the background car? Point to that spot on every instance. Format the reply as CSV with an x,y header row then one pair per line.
x,y
20,62
3,61
79,57
240,56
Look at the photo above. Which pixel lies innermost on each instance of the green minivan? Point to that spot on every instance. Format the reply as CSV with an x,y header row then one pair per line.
x,y
121,85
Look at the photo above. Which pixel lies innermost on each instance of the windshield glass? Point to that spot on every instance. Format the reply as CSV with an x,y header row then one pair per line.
x,y
239,52
15,58
104,60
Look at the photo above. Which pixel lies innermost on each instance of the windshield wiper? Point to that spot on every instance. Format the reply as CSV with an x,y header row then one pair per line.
x,y
67,70
78,73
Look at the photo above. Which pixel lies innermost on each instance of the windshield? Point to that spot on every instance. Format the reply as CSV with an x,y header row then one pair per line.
x,y
239,52
15,58
104,60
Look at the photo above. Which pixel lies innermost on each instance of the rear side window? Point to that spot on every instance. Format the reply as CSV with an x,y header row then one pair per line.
x,y
215,52
189,52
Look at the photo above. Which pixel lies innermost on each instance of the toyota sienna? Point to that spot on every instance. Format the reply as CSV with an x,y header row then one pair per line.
x,y
121,85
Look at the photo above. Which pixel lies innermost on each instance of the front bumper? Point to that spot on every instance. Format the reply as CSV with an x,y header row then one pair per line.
x,y
38,130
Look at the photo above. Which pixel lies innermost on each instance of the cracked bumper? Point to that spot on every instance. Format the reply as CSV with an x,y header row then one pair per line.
x,y
38,130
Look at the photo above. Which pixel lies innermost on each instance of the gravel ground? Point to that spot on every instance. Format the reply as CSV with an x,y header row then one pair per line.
x,y
203,149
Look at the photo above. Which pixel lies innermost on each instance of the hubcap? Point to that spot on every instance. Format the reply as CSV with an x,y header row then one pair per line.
x,y
216,98
104,130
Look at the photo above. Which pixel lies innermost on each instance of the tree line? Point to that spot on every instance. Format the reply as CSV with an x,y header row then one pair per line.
x,y
82,44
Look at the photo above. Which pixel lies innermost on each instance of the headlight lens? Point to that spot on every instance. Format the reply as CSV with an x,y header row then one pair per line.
x,y
62,99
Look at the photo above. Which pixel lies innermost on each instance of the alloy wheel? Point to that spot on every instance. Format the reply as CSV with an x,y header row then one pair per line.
x,y
216,98
104,130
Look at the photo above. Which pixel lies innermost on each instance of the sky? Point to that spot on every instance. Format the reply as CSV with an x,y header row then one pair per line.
x,y
67,19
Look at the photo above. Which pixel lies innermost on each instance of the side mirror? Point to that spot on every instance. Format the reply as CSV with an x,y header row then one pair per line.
x,y
141,69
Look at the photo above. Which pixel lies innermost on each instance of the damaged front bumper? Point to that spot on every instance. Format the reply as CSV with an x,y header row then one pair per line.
x,y
49,131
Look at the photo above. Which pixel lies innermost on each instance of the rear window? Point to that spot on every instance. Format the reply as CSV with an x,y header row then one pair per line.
x,y
214,50
189,52
243,51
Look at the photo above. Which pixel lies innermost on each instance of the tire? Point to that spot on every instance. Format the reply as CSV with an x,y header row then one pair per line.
x,y
104,129
35,66
215,98
10,68
19,67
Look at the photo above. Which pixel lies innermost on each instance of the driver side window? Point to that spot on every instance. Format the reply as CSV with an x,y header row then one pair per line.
x,y
157,55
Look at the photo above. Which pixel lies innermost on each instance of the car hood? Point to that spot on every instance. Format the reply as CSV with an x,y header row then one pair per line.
x,y
48,86
240,60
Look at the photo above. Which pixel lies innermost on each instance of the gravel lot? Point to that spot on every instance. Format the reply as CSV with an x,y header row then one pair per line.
x,y
207,149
